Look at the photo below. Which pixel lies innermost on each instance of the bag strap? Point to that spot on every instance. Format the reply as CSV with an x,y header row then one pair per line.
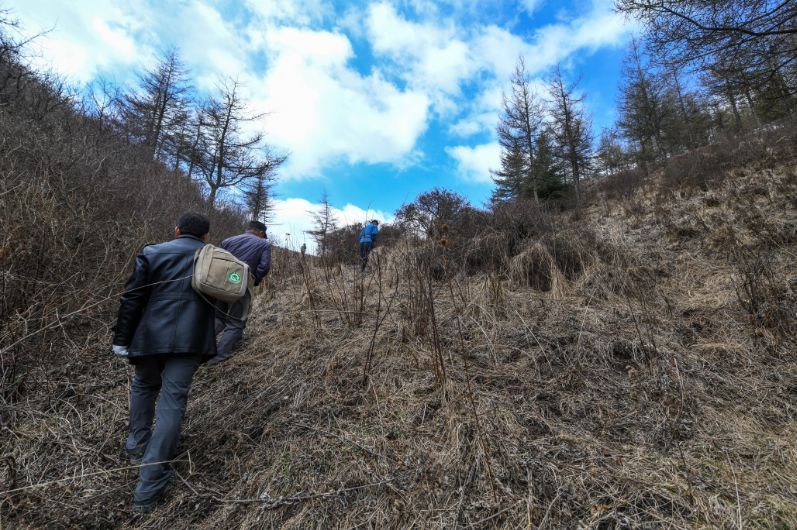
x,y
247,307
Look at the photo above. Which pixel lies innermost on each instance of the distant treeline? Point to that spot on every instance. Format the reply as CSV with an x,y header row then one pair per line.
x,y
205,138
704,70
704,74
704,77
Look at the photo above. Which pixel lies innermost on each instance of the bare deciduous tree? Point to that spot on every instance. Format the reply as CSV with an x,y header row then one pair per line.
x,y
517,132
641,108
759,34
571,130
154,113
230,156
610,154
324,224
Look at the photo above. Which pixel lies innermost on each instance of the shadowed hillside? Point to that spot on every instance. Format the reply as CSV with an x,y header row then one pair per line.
x,y
634,366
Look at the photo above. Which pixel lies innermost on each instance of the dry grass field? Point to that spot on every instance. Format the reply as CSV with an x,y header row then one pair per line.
x,y
634,367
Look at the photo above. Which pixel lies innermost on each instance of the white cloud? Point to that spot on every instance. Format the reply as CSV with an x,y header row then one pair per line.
x,y
80,43
391,33
497,51
482,112
351,214
469,125
323,107
95,37
322,110
297,12
440,58
222,50
293,218
553,43
474,163
530,6
429,57
352,22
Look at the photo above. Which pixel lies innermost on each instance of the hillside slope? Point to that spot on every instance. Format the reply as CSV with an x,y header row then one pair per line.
x,y
642,373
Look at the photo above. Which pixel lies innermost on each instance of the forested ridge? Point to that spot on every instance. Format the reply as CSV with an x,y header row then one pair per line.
x,y
609,343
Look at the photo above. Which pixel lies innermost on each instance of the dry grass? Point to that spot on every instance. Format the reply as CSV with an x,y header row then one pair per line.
x,y
604,380
536,268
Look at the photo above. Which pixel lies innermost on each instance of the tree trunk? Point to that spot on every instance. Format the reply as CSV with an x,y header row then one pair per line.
x,y
157,141
750,104
576,179
737,117
684,113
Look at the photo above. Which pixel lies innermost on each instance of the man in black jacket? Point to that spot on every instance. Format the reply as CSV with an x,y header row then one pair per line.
x,y
166,330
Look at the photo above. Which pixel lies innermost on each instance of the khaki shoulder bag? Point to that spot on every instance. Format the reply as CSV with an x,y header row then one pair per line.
x,y
219,275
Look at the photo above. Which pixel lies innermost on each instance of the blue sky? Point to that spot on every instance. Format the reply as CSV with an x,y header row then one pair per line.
x,y
375,102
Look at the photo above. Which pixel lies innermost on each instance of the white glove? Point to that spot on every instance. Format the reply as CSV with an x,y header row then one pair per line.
x,y
119,350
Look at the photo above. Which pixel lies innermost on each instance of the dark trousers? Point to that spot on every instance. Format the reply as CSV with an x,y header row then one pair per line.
x,y
169,377
365,250
230,322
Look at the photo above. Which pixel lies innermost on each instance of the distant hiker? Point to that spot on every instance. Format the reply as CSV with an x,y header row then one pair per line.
x,y
367,240
165,329
254,249
303,249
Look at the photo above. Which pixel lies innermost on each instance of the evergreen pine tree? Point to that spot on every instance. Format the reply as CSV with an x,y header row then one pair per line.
x,y
547,170
509,179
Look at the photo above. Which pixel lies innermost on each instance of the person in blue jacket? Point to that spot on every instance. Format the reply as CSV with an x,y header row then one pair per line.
x,y
367,240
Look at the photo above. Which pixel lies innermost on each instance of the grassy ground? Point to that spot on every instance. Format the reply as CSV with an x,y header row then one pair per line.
x,y
653,383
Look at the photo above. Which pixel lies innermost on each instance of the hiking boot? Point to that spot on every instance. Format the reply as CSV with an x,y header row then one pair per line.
x,y
153,502
217,360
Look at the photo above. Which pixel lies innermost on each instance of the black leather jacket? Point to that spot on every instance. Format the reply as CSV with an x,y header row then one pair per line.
x,y
160,314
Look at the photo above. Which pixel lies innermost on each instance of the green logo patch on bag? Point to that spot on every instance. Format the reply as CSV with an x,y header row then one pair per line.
x,y
234,277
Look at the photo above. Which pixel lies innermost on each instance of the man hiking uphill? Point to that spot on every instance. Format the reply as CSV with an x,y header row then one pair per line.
x,y
166,330
367,240
254,249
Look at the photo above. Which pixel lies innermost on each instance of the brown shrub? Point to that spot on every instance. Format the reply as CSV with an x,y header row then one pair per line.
x,y
711,201
621,185
536,268
77,201
769,301
696,168
487,252
520,221
572,251
705,167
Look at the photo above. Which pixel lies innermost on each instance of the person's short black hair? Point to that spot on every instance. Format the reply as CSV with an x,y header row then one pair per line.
x,y
375,221
194,224
257,225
